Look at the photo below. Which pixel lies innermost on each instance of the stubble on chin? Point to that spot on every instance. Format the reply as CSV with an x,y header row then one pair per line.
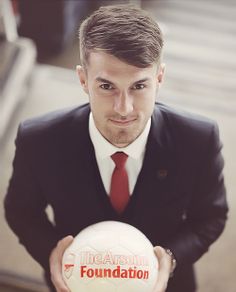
x,y
121,138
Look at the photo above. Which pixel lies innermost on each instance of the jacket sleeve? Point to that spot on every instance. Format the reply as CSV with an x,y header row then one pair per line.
x,y
206,216
25,208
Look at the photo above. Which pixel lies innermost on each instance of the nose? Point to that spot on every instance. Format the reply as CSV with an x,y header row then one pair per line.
x,y
123,104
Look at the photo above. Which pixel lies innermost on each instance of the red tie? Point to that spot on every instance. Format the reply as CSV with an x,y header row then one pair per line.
x,y
119,193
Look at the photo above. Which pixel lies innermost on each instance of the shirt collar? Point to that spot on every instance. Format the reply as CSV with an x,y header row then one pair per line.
x,y
105,149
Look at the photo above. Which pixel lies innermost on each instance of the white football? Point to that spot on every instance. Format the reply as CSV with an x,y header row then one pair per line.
x,y
110,256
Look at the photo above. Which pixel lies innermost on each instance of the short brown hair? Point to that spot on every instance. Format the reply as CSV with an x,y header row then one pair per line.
x,y
124,31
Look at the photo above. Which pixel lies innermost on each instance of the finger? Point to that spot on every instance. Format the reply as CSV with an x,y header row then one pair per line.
x,y
56,264
63,244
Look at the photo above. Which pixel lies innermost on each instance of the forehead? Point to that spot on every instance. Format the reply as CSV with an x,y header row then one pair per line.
x,y
109,67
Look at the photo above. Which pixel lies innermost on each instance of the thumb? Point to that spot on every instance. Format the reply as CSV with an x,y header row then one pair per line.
x,y
160,252
64,243
164,268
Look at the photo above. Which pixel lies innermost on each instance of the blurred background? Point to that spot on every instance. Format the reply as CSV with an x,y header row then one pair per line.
x,y
38,54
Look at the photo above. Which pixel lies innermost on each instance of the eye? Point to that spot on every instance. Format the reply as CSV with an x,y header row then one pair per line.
x,y
139,86
106,86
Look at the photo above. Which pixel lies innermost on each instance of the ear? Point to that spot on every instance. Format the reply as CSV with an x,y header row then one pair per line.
x,y
82,77
160,74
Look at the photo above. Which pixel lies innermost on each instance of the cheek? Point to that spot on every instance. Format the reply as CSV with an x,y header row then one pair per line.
x,y
101,107
146,100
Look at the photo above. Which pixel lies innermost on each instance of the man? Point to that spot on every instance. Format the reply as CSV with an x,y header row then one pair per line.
x,y
173,159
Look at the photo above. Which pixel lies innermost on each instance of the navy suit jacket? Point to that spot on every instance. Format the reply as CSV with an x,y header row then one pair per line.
x,y
178,202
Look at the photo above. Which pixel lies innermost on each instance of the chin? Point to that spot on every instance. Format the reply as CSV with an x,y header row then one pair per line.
x,y
122,142
122,138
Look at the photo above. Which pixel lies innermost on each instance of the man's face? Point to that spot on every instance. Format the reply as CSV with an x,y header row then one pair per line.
x,y
121,96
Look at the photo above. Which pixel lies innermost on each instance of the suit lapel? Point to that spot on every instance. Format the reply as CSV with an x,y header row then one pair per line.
x,y
158,176
85,169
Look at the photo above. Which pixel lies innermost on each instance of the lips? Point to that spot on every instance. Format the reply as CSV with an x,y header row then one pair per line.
x,y
122,122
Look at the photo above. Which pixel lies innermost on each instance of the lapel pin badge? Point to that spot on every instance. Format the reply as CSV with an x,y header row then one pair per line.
x,y
162,174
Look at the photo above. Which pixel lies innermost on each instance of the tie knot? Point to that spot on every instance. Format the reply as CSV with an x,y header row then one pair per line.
x,y
120,159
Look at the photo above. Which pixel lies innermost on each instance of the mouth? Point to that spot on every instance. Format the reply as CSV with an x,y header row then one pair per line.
x,y
123,123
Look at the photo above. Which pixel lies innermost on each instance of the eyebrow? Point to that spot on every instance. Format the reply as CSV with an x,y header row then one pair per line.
x,y
100,79
142,80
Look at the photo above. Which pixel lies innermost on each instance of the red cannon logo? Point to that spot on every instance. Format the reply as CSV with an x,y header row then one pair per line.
x,y
69,265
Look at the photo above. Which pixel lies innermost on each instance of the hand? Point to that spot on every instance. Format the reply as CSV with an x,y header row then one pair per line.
x,y
164,261
55,262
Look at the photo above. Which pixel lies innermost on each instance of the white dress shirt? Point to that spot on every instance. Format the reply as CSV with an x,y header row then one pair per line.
x,y
104,150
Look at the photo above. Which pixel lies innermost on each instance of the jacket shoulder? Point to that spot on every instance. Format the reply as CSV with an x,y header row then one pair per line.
x,y
187,124
53,123
187,134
